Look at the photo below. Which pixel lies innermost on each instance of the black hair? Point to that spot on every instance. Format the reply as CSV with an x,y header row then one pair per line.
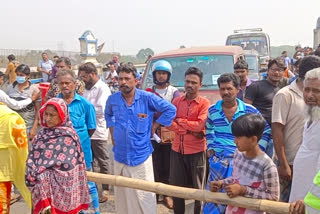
x,y
11,57
127,68
66,61
88,68
1,74
23,69
195,71
241,64
249,125
229,77
317,52
56,56
279,62
308,63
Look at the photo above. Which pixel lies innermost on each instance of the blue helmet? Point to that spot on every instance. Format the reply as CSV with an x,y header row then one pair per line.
x,y
161,65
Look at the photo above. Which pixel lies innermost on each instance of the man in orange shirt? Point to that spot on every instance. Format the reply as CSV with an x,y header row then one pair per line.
x,y
11,69
188,154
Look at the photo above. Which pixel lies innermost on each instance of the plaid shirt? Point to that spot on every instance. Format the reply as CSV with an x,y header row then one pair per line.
x,y
259,175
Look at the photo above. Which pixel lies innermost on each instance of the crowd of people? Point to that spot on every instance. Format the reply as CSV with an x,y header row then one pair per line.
x,y
259,141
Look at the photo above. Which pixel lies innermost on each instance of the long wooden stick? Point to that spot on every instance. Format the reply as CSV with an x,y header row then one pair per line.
x,y
189,193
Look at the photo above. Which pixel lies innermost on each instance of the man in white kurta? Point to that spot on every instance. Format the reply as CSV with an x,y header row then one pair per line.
x,y
307,161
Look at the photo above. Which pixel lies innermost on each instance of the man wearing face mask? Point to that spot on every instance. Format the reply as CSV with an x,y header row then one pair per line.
x,y
23,89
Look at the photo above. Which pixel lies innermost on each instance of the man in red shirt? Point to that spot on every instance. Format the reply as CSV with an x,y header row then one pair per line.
x,y
188,154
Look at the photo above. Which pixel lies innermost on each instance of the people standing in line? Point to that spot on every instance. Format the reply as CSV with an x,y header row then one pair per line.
x,y
45,67
254,175
54,68
11,68
242,70
188,154
13,156
56,171
23,89
54,90
97,92
288,120
162,72
83,117
307,161
220,140
12,103
129,115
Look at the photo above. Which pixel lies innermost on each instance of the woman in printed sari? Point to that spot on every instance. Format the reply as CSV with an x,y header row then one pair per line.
x,y
13,156
56,168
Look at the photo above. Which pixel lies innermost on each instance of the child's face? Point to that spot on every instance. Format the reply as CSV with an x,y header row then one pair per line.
x,y
244,143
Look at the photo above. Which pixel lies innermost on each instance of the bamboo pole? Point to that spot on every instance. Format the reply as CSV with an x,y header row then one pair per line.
x,y
189,193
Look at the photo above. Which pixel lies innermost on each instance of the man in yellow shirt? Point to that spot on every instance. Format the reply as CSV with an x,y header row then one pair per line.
x,y
11,69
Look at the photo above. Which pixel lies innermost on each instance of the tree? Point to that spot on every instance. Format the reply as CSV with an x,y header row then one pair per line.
x,y
144,53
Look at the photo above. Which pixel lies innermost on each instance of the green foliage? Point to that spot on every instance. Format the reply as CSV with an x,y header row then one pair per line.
x,y
144,53
277,50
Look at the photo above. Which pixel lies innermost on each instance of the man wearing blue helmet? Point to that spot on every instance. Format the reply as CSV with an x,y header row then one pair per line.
x,y
162,71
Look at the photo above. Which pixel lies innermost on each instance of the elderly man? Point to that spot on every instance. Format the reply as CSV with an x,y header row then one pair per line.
x,y
129,114
288,121
83,117
220,141
97,92
307,161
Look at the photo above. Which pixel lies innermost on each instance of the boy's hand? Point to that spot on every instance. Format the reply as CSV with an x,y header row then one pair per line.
x,y
234,190
297,207
215,186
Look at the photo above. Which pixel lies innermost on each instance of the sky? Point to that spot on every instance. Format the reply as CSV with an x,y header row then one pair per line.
x,y
126,26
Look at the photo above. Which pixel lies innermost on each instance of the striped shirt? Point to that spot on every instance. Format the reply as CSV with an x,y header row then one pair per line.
x,y
259,175
218,128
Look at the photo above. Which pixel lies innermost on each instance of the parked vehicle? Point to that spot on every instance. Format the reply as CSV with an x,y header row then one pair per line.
x,y
211,60
252,39
253,60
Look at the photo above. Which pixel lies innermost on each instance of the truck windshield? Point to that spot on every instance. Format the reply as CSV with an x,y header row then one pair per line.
x,y
212,67
257,43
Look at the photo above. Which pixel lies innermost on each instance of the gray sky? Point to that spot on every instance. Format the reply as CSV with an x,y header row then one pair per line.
x,y
129,25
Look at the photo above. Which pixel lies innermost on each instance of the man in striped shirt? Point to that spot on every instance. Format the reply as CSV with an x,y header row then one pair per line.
x,y
220,141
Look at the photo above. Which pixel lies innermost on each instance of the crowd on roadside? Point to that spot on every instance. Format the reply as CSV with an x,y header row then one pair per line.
x,y
255,142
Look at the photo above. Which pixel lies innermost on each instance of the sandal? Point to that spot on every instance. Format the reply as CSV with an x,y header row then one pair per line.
x,y
104,196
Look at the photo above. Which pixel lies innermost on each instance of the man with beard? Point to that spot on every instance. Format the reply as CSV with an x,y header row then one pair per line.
x,y
97,92
242,70
307,161
161,71
288,121
129,114
220,141
83,118
54,90
188,153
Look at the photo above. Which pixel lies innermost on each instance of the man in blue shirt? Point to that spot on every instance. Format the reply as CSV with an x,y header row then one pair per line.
x,y
220,141
129,114
83,117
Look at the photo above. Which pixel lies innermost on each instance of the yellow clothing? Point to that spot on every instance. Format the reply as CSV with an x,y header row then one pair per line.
x,y
13,150
11,72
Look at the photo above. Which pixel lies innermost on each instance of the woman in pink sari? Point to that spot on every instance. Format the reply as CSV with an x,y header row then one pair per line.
x,y
55,171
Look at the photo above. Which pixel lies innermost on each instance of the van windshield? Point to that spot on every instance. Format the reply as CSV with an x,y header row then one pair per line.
x,y
212,67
